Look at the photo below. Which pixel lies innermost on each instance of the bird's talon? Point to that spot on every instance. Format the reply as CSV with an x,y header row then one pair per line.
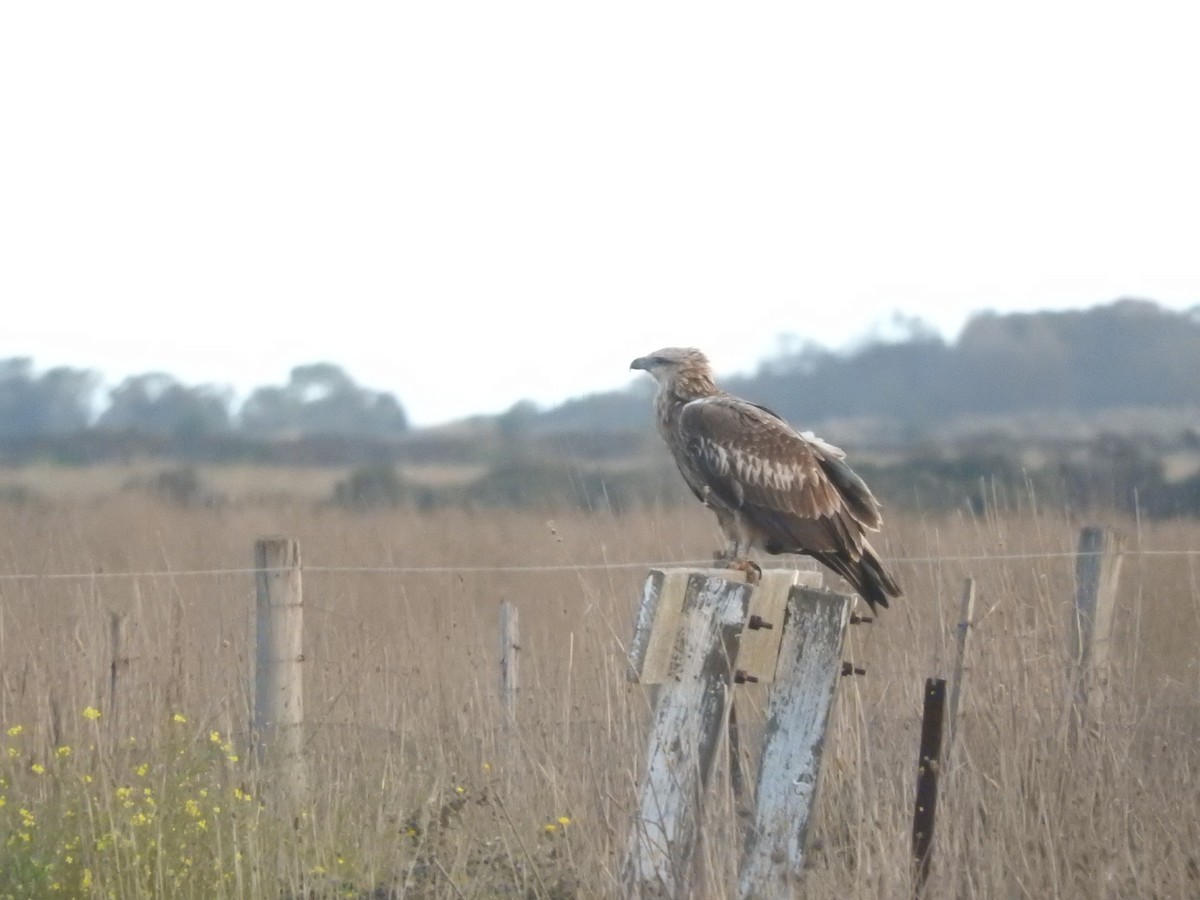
x,y
752,569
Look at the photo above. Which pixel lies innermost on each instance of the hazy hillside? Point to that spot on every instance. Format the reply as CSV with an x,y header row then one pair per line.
x,y
1128,354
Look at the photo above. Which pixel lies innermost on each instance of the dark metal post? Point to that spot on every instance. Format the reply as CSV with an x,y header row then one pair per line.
x,y
927,780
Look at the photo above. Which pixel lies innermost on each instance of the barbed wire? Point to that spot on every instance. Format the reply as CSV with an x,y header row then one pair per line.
x,y
451,569
870,718
149,573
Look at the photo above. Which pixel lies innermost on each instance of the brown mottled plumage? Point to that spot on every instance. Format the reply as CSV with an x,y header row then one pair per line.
x,y
770,486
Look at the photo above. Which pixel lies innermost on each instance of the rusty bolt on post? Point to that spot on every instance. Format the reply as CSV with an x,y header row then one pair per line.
x,y
756,622
851,669
856,619
741,676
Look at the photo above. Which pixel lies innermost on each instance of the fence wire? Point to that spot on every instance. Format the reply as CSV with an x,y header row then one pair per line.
x,y
452,569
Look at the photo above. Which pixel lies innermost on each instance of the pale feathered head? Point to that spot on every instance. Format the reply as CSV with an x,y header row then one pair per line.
x,y
670,363
681,372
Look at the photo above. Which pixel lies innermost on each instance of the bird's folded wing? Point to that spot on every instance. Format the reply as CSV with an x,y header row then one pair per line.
x,y
797,488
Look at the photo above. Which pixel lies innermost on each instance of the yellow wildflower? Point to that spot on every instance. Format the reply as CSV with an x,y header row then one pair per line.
x,y
90,712
62,751
564,820
38,769
180,718
15,730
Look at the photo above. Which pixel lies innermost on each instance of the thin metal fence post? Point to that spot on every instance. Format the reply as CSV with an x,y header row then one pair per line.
x,y
928,768
966,614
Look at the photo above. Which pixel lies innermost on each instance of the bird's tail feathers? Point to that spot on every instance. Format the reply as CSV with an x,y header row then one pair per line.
x,y
866,574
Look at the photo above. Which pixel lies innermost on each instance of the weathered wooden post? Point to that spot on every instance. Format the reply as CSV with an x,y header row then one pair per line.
x,y
758,651
118,667
966,613
928,769
510,670
1089,632
278,719
698,634
806,677
690,712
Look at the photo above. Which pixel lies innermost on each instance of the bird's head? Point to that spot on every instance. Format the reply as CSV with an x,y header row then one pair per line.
x,y
673,364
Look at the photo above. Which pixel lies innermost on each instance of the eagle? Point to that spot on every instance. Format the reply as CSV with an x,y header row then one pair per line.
x,y
772,488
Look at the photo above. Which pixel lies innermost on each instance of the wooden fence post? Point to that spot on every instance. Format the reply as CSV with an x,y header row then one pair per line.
x,y
689,715
1089,632
118,667
758,651
966,613
510,670
928,766
279,654
806,677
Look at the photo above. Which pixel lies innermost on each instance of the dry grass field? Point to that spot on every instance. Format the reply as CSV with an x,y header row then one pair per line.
x,y
417,791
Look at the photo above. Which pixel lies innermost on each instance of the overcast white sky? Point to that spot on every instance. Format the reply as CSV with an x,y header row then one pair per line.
x,y
472,203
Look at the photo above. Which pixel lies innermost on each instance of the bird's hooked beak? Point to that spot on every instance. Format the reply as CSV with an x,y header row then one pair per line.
x,y
640,363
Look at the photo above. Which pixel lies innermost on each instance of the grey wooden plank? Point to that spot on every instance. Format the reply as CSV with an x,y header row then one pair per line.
x,y
688,720
797,716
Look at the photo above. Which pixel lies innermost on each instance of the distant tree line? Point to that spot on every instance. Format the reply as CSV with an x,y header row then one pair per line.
x,y
318,401
1105,361
1131,353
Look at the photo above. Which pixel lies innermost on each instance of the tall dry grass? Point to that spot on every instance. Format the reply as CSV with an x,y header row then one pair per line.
x,y
418,787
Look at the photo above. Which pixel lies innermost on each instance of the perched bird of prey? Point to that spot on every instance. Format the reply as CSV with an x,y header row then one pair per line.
x,y
771,487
